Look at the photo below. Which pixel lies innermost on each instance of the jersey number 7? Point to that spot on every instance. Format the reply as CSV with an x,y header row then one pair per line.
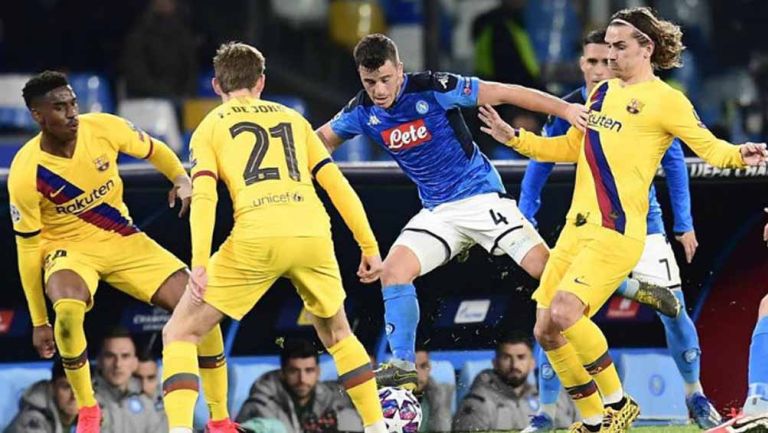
x,y
253,172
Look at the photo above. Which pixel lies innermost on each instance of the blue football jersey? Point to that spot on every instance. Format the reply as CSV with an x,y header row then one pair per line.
x,y
426,135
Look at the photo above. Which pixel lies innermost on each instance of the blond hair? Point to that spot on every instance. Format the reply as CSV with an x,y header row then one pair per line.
x,y
237,66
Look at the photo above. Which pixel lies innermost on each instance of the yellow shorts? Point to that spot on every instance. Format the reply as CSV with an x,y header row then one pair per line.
x,y
241,271
135,264
589,261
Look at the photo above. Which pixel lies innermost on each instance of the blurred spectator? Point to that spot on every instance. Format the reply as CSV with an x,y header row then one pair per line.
x,y
159,58
435,397
48,406
501,398
146,374
293,395
125,409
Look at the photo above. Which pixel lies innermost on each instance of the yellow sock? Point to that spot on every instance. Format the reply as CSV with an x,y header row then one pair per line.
x,y
70,339
592,349
180,383
577,382
213,373
356,374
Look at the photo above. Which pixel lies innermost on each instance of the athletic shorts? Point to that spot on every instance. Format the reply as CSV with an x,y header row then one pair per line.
x,y
242,271
658,265
134,264
492,220
589,261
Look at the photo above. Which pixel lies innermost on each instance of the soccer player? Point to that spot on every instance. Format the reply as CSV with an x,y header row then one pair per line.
x,y
73,229
657,264
267,156
416,118
633,119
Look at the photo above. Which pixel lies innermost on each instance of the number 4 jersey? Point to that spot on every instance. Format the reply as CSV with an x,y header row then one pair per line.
x,y
266,154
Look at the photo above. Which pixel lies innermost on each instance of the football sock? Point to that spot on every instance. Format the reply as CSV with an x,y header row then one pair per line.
x,y
401,316
213,373
577,382
180,383
356,375
758,354
683,344
592,349
549,385
628,288
70,340
377,427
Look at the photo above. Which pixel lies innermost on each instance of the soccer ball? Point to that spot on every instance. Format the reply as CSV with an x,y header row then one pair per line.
x,y
402,411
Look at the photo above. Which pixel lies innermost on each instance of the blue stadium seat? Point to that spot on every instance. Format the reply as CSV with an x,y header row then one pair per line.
x,y
469,371
651,377
242,373
357,149
289,101
93,93
443,372
13,111
16,378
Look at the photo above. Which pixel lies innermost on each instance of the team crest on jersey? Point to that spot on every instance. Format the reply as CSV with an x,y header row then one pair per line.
x,y
422,107
102,163
635,106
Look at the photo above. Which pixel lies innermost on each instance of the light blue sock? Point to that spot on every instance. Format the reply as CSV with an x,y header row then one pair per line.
x,y
401,317
628,288
758,360
683,342
549,383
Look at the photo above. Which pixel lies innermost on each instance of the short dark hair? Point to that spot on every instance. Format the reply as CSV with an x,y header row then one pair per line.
x,y
515,337
238,66
117,332
594,37
374,50
297,348
57,369
145,356
41,84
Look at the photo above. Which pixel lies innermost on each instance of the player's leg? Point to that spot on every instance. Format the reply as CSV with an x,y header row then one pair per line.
x,y
426,242
315,274
210,350
757,400
189,323
658,266
603,261
354,368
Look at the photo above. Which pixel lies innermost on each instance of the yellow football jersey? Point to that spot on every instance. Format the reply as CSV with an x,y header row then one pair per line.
x,y
629,129
78,198
265,154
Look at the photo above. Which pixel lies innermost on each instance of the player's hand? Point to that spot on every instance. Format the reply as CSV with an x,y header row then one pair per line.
x,y
198,281
495,126
42,339
753,153
690,243
370,268
577,115
765,229
182,189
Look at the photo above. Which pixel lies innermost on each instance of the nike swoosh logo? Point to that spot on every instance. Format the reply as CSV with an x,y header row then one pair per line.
x,y
54,194
578,281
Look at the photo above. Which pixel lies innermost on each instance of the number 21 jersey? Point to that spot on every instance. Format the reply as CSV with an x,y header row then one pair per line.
x,y
266,155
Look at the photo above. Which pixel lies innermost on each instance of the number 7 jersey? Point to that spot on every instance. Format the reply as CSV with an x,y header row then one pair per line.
x,y
266,155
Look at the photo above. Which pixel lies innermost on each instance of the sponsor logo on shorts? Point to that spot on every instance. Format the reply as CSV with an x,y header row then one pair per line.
x,y
278,199
407,135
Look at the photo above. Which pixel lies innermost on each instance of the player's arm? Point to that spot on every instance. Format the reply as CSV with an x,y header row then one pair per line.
x,y
680,120
205,174
676,174
330,139
556,149
25,214
344,125
493,93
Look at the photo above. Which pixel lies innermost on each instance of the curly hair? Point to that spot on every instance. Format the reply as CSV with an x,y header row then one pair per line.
x,y
666,36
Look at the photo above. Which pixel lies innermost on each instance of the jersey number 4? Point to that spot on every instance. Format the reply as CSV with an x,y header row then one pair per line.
x,y
253,171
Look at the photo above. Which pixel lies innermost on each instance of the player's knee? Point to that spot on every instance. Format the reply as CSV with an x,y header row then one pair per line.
x,y
535,261
763,309
393,274
332,330
566,309
546,334
175,331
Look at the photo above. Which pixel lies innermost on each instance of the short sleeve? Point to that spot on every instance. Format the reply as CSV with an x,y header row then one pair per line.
x,y
453,90
24,200
346,123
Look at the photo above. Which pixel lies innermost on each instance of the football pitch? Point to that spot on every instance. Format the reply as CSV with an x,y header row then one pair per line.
x,y
655,429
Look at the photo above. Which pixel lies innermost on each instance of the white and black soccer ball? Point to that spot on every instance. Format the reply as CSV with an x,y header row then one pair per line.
x,y
402,411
